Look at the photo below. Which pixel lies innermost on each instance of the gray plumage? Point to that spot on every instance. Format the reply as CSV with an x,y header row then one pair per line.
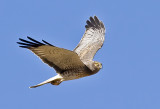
x,y
68,64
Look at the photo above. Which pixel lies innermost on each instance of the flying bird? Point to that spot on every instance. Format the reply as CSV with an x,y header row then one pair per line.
x,y
70,65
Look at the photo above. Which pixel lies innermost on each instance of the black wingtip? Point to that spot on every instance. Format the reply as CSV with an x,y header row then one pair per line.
x,y
31,43
23,46
94,22
34,40
47,43
89,23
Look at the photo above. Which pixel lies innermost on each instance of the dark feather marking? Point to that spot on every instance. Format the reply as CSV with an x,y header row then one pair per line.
x,y
86,26
29,44
89,23
26,41
34,40
96,20
95,23
24,44
92,21
102,25
90,34
47,42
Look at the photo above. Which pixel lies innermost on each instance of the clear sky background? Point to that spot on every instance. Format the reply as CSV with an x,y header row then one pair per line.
x,y
130,78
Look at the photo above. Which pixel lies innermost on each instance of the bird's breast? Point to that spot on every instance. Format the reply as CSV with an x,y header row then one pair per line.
x,y
72,74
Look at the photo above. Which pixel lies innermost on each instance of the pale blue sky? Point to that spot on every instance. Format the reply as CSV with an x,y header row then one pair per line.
x,y
130,78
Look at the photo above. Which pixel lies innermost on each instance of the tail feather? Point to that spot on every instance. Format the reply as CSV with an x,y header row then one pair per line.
x,y
47,81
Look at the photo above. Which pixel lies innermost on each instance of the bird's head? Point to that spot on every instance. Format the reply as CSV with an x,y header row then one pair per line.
x,y
97,66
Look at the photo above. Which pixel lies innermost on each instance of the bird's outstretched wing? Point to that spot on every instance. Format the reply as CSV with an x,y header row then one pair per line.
x,y
92,39
58,58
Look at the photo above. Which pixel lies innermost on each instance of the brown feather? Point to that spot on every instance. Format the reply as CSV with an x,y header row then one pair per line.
x,y
59,58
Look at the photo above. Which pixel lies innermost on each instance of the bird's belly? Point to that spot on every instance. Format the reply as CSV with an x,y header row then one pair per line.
x,y
70,75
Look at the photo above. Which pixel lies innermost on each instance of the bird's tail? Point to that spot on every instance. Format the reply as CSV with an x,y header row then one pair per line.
x,y
57,79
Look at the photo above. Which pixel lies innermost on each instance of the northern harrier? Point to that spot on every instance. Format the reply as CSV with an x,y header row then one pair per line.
x,y
68,64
